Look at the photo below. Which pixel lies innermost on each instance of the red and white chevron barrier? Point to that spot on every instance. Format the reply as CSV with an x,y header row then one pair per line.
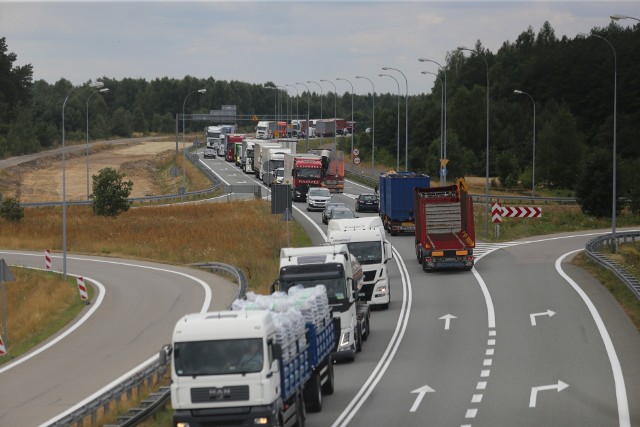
x,y
496,213
82,288
521,212
47,259
3,349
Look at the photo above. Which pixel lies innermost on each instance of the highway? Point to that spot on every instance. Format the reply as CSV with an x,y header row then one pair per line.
x,y
524,339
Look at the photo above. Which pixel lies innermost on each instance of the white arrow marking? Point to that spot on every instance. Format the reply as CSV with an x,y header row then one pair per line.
x,y
447,320
534,391
544,313
421,392
242,182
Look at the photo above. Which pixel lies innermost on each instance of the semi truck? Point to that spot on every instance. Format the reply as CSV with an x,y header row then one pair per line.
x,y
265,129
258,364
232,140
272,160
340,272
365,238
396,200
213,136
302,171
258,149
332,169
444,233
246,161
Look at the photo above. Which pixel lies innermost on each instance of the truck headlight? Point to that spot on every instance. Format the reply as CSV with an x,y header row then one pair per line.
x,y
182,425
261,421
344,339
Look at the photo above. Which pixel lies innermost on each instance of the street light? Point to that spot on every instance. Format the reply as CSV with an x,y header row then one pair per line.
x,y
444,71
615,102
95,85
618,17
308,98
441,167
335,115
398,144
373,126
533,172
92,93
353,126
184,158
318,84
486,195
406,117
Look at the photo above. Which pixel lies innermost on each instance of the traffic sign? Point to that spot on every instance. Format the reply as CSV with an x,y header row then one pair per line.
x,y
356,152
496,213
521,212
444,162
356,160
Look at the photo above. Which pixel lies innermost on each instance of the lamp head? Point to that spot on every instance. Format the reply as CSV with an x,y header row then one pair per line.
x,y
463,48
517,91
96,85
617,17
422,59
106,89
386,68
202,90
583,34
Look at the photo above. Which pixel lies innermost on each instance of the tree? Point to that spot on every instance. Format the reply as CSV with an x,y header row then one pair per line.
x,y
110,193
593,192
11,210
14,83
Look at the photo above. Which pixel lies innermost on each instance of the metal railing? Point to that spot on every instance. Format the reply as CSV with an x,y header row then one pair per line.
x,y
593,247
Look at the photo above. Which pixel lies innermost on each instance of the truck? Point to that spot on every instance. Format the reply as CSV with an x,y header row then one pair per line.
x,y
340,272
325,127
332,169
265,129
253,365
246,160
213,136
258,153
396,200
272,159
302,171
232,140
444,227
365,238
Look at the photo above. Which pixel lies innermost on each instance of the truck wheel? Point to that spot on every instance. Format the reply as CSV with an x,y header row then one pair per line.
x,y
313,394
419,254
365,335
328,386
359,342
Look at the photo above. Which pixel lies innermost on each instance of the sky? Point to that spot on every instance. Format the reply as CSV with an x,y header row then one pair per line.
x,y
285,42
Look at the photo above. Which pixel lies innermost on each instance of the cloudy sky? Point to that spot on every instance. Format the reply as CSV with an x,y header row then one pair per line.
x,y
285,42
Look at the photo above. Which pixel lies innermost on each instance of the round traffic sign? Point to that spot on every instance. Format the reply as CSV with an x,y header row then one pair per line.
x,y
356,152
356,160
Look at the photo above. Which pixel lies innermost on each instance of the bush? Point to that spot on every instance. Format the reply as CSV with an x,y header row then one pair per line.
x,y
11,210
110,193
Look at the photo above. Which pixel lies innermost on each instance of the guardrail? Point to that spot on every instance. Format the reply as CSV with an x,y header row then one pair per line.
x,y
592,249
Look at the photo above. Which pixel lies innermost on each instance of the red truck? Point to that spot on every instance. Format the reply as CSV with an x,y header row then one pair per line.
x,y
445,234
302,171
230,155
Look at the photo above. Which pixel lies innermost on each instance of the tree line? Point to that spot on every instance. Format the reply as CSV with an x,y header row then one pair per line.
x,y
571,81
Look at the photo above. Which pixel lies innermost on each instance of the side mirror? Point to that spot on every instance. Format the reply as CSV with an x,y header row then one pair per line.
x,y
388,250
165,354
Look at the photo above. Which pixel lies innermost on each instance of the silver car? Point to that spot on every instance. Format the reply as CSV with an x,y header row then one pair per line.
x,y
317,198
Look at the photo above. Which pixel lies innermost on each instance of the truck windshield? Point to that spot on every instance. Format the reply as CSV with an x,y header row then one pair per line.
x,y
220,357
366,252
213,134
310,275
310,173
250,154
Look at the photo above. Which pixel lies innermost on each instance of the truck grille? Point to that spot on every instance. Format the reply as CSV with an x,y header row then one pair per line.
x,y
219,394
366,291
369,276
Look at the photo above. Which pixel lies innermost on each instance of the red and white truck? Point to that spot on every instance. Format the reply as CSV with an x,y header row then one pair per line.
x,y
302,171
444,227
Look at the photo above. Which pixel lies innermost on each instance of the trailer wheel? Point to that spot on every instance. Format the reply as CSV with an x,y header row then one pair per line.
x,y
368,326
419,254
313,394
328,386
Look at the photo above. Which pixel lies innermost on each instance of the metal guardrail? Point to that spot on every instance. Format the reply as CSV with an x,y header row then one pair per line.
x,y
592,249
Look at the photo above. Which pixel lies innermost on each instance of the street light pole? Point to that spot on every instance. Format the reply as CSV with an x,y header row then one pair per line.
x,y
308,98
95,85
406,118
444,71
321,95
92,93
335,114
373,126
441,167
398,144
486,195
533,172
353,126
615,103
618,17
184,158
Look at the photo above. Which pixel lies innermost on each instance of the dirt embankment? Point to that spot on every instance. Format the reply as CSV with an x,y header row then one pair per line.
x,y
40,180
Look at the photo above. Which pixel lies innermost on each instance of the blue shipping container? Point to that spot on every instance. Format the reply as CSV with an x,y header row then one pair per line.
x,y
396,194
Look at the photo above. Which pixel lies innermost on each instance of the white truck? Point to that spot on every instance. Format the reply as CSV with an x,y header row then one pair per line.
x,y
272,159
265,129
365,238
213,136
259,149
254,365
246,159
340,272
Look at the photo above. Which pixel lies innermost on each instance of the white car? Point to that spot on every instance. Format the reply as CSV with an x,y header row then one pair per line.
x,y
209,152
317,198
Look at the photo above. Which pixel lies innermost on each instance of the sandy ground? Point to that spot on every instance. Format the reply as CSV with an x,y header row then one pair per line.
x,y
41,180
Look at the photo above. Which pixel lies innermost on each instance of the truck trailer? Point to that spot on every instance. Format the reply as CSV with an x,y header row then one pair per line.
x,y
259,364
445,233
258,153
396,200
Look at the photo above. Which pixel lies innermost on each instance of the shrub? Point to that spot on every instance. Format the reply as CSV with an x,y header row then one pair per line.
x,y
11,210
110,193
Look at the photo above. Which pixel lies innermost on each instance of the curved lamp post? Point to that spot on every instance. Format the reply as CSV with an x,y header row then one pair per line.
x,y
486,199
615,102
184,158
533,171
335,115
441,168
106,89
618,17
398,144
321,95
308,98
95,85
444,71
406,117
353,126
373,126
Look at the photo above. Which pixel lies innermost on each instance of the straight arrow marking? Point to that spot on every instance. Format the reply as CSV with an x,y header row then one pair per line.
x,y
421,392
534,391
447,320
544,313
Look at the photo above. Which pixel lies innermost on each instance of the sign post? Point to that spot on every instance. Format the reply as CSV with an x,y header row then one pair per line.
x,y
5,276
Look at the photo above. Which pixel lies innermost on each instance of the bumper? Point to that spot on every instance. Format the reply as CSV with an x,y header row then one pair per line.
x,y
242,416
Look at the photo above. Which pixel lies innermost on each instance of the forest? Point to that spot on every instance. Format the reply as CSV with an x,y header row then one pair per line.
x,y
585,91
